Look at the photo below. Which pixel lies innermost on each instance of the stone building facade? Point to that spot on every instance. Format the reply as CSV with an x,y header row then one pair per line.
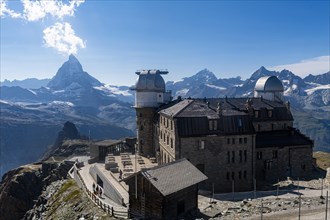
x,y
233,140
168,191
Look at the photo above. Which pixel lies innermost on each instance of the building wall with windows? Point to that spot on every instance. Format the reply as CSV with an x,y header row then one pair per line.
x,y
227,161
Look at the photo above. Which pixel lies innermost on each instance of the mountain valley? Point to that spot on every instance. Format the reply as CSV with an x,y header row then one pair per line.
x,y
32,116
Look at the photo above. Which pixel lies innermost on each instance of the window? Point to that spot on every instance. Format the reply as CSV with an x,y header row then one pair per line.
x,y
245,140
245,155
141,128
259,155
284,126
171,142
210,125
201,145
228,175
244,174
167,140
259,127
240,156
171,125
228,156
233,157
240,140
272,126
256,114
240,175
232,175
140,114
274,154
270,113
233,141
228,140
303,166
180,207
268,164
213,125
239,122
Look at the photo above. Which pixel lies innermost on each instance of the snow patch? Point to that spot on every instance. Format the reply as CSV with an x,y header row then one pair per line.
x,y
177,81
4,102
58,91
113,89
32,91
215,87
319,87
61,103
182,92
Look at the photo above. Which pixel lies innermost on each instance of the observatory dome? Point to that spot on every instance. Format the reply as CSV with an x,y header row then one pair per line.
x,y
269,84
150,80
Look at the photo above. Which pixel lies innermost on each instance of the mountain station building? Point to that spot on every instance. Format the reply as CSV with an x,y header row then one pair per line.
x,y
231,140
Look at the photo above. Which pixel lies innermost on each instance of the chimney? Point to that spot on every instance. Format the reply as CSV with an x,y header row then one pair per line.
x,y
219,109
287,104
249,106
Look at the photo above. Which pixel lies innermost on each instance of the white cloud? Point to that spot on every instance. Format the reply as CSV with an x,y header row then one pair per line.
x,y
316,65
62,37
5,11
36,10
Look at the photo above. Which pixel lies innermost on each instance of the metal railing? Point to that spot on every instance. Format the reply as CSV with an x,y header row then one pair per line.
x,y
111,210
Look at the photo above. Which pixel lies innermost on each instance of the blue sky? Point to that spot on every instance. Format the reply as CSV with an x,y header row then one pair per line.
x,y
113,39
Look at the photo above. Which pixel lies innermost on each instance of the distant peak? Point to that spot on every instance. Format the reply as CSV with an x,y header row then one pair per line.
x,y
72,58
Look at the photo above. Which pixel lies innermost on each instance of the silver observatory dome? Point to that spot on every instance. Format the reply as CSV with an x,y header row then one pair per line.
x,y
150,80
269,84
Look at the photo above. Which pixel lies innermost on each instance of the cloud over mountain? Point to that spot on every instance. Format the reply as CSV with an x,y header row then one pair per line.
x,y
62,37
316,65
59,36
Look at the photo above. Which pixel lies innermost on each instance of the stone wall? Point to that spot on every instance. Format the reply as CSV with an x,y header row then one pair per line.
x,y
144,120
222,160
167,139
280,163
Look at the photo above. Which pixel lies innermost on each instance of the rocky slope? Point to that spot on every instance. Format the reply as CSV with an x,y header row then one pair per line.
x,y
26,187
63,199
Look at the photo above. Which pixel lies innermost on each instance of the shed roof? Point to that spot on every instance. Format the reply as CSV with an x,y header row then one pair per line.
x,y
172,177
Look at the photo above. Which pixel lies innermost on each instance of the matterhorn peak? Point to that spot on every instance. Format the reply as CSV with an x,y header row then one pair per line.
x,y
73,59
71,72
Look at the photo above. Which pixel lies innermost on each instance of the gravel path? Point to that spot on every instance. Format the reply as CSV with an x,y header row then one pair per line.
x,y
242,205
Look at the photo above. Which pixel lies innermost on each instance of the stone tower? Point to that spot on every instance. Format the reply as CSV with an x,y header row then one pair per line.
x,y
150,93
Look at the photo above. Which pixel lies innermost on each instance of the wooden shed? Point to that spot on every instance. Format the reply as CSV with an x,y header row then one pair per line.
x,y
164,192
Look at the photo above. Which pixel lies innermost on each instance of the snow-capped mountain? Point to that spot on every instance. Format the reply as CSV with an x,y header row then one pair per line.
x,y
30,83
36,115
71,74
306,93
309,97
202,84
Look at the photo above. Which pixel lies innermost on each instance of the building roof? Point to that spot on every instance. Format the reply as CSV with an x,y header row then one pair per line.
x,y
269,84
283,138
175,176
174,110
107,142
150,80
